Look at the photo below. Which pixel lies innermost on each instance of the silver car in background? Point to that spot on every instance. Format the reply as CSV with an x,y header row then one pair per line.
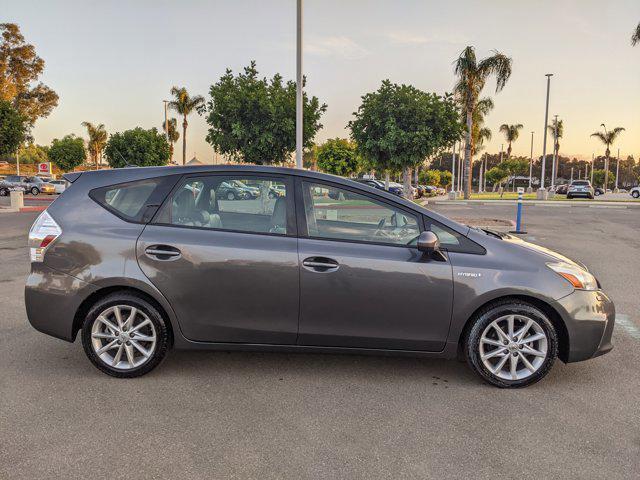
x,y
580,189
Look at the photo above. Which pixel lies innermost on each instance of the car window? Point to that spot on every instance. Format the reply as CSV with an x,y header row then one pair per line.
x,y
580,183
335,213
254,204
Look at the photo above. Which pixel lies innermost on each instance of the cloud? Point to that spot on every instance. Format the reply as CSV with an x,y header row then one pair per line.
x,y
410,38
341,46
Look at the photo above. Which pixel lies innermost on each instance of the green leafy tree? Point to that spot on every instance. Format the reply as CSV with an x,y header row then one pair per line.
x,y
185,105
430,177
338,156
20,69
253,119
173,135
599,175
511,134
68,153
97,141
13,128
607,137
33,153
472,77
635,38
445,178
496,176
139,147
398,126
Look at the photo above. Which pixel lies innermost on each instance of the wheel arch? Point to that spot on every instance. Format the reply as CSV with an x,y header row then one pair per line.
x,y
553,315
95,296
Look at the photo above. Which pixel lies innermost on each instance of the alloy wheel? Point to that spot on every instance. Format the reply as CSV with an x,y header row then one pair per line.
x,y
513,347
123,337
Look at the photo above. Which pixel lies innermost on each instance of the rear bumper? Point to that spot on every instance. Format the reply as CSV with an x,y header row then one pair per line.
x,y
52,299
589,317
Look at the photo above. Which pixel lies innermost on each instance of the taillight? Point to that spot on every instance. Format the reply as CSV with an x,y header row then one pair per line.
x,y
43,233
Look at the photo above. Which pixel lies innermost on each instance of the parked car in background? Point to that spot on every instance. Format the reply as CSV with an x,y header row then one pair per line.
x,y
155,261
59,185
33,185
562,189
394,188
635,192
13,182
233,191
580,188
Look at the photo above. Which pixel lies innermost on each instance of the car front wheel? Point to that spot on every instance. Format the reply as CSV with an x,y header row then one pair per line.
x,y
124,335
35,191
635,194
4,192
511,344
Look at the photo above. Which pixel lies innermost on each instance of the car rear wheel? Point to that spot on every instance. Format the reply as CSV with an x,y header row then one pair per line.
x,y
4,192
231,196
635,194
35,191
124,335
511,344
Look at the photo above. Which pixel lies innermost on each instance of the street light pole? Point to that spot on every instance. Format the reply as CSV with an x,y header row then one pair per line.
x,y
530,189
453,172
555,153
617,171
593,159
166,120
542,193
299,85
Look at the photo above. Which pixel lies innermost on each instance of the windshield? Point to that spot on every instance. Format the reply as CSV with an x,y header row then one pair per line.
x,y
580,183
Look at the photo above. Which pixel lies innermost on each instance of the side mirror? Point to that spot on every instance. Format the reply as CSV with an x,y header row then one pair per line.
x,y
428,242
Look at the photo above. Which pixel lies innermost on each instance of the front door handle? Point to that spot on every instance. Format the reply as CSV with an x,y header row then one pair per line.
x,y
162,252
320,264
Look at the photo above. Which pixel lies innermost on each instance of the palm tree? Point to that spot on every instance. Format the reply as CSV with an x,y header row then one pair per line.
x,y
172,135
184,104
607,138
635,38
511,134
472,76
556,134
480,132
97,141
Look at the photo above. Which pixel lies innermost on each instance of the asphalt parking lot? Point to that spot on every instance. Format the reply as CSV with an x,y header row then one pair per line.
x,y
267,415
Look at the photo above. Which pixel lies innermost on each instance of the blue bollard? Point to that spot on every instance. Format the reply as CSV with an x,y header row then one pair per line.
x,y
518,229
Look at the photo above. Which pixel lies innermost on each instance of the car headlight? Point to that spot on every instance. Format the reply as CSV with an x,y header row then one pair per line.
x,y
576,276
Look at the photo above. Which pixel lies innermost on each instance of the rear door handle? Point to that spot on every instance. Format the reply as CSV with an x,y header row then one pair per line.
x,y
320,264
162,252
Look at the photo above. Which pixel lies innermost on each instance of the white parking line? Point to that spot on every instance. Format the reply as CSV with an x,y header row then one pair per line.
x,y
627,325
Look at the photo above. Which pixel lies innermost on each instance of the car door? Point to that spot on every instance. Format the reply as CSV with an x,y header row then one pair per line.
x,y
229,268
363,283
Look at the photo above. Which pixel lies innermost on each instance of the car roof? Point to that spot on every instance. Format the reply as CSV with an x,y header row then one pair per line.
x,y
97,178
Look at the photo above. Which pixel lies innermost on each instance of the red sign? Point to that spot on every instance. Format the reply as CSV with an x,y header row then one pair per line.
x,y
44,167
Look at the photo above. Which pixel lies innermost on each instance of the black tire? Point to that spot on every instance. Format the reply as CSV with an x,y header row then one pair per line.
x,y
4,192
231,196
34,191
569,197
635,194
494,311
159,323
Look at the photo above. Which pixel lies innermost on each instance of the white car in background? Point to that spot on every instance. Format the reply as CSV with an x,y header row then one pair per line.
x,y
60,185
635,192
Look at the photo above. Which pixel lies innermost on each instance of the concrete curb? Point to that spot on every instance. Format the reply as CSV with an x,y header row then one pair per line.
x,y
23,209
539,203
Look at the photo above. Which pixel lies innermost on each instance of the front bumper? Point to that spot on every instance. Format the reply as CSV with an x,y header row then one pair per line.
x,y
589,317
52,299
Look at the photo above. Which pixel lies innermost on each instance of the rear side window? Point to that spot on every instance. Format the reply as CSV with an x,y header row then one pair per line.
x,y
130,201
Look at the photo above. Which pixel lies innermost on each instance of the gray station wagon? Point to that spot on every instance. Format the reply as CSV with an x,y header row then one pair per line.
x,y
140,260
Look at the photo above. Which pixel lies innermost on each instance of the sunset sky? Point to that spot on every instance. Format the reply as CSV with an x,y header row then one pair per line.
x,y
113,62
